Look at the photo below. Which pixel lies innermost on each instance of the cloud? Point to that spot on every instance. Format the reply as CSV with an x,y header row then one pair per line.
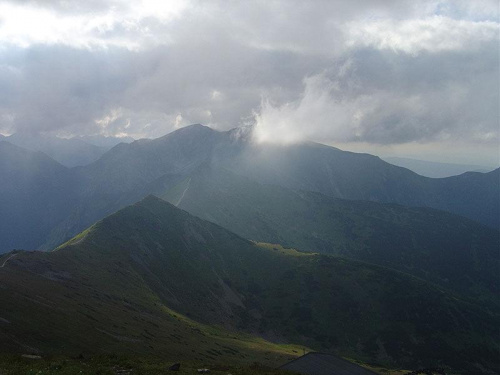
x,y
59,89
382,72
383,97
91,25
434,34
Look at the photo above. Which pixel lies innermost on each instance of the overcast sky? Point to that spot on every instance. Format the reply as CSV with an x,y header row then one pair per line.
x,y
409,78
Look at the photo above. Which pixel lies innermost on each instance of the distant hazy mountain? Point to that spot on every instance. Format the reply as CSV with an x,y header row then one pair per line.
x,y
308,166
128,172
128,283
103,141
68,152
36,194
435,169
446,249
348,175
129,166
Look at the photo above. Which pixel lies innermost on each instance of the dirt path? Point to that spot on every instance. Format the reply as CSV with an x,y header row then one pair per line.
x,y
183,193
6,260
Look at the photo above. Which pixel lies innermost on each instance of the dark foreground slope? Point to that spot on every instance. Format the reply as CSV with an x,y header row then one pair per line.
x,y
447,249
88,299
128,283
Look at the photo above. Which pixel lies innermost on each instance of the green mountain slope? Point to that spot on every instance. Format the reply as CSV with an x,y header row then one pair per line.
x,y
128,173
447,249
81,300
348,175
115,286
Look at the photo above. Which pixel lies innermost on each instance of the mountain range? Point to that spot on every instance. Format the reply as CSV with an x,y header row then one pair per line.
x,y
70,152
153,278
262,246
435,169
443,248
129,172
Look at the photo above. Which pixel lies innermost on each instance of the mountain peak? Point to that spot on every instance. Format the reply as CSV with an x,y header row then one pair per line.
x,y
153,200
155,206
189,132
192,128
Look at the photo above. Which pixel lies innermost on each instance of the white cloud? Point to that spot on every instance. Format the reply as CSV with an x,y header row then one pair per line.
x,y
376,71
434,34
315,115
120,25
329,111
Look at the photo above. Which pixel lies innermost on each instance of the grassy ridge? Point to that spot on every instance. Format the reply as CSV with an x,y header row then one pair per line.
x,y
77,300
446,249
154,279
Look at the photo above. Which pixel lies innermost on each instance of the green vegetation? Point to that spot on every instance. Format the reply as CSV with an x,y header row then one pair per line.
x,y
125,364
152,279
283,250
449,250
347,175
120,364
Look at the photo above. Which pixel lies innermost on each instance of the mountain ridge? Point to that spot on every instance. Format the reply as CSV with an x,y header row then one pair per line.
x,y
419,241
161,257
128,172
435,169
69,152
